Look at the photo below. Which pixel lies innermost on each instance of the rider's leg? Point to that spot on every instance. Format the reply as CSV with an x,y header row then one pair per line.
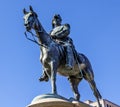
x,y
69,57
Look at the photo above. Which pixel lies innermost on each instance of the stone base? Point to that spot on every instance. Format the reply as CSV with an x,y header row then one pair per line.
x,y
52,100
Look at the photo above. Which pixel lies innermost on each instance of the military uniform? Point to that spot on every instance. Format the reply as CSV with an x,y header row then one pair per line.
x,y
60,34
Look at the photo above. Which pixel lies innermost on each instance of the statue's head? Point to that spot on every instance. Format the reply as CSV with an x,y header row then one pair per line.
x,y
29,18
57,20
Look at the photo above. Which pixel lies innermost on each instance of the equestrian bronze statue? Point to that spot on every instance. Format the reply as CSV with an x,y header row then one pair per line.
x,y
53,57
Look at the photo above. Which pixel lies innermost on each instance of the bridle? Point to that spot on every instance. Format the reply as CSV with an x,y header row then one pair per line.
x,y
33,35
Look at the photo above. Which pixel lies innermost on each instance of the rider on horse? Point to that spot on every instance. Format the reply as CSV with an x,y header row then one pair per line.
x,y
60,34
51,56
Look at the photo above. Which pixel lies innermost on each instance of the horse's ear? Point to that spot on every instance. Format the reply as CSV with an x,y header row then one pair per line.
x,y
24,11
31,9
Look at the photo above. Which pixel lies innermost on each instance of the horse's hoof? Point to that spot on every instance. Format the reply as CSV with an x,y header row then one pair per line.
x,y
43,78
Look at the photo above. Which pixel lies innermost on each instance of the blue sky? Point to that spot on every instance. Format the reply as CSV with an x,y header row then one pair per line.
x,y
95,30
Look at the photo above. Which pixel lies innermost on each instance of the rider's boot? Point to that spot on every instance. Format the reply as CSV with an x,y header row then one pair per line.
x,y
44,77
69,58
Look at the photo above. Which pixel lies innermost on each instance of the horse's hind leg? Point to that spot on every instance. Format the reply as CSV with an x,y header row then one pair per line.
x,y
74,82
90,78
95,91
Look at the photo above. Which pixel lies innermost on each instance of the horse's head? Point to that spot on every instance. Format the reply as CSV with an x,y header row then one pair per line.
x,y
30,19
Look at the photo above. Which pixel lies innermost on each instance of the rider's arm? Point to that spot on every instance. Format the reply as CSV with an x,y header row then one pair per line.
x,y
60,32
64,32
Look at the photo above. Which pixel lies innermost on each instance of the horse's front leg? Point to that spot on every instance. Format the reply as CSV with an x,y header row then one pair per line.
x,y
53,76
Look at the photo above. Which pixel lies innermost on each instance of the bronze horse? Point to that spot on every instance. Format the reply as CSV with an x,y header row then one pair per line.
x,y
53,60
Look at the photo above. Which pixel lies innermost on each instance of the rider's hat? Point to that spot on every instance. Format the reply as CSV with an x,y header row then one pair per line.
x,y
55,17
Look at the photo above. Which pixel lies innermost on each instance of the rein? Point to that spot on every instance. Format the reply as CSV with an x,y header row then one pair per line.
x,y
34,40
